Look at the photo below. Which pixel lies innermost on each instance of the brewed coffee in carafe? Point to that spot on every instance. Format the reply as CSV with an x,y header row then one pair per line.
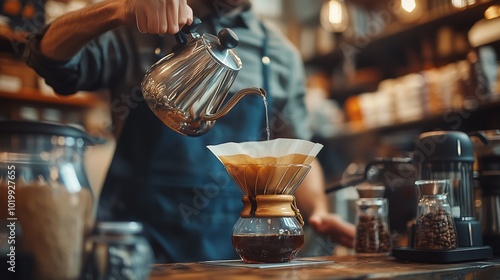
x,y
269,229
270,226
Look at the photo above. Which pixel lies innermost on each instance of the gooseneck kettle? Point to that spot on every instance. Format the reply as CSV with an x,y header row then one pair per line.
x,y
187,88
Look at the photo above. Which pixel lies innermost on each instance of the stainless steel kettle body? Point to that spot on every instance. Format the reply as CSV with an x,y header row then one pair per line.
x,y
187,88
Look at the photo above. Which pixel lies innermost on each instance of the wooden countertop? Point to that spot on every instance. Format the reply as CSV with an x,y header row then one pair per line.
x,y
343,267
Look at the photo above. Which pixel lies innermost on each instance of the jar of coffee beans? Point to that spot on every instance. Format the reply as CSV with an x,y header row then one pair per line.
x,y
435,228
372,227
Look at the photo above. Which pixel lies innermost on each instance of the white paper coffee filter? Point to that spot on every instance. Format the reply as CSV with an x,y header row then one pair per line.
x,y
276,148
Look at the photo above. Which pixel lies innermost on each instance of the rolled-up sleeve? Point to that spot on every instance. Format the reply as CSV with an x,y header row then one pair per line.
x,y
95,66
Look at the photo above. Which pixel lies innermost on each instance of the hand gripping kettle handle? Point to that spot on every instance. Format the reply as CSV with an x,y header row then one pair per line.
x,y
180,36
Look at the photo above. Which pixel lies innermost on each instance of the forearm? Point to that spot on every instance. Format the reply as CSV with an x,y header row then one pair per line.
x,y
311,197
70,32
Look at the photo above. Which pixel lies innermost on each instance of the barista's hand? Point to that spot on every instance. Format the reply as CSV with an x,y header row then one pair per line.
x,y
333,225
158,16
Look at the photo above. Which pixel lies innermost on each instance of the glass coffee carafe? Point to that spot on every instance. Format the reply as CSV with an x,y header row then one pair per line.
x,y
269,229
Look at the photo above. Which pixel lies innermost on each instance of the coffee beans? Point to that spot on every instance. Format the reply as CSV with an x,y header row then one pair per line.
x,y
435,231
372,235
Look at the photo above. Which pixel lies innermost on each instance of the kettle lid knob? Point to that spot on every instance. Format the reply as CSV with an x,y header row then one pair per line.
x,y
228,39
221,48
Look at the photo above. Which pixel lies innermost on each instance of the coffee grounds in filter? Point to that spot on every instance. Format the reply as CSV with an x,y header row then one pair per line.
x,y
276,151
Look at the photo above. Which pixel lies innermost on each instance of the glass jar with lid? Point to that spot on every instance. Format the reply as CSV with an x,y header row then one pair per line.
x,y
119,251
435,228
46,194
372,226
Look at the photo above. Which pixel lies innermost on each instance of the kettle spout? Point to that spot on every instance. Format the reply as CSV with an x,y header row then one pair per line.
x,y
231,102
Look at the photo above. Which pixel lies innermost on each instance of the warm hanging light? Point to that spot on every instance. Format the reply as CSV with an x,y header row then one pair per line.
x,y
334,16
408,5
334,12
459,3
492,12
408,10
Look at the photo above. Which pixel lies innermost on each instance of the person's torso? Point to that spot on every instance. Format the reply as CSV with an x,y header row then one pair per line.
x,y
161,177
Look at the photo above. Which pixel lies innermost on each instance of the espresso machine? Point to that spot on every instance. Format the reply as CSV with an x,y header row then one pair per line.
x,y
449,155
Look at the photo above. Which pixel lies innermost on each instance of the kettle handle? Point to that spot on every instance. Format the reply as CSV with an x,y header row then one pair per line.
x,y
180,36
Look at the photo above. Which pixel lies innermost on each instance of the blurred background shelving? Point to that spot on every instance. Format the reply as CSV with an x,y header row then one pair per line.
x,y
23,94
395,69
378,72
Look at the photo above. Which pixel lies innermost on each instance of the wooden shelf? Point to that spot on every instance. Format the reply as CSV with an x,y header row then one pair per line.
x,y
389,51
83,99
461,117
461,19
397,34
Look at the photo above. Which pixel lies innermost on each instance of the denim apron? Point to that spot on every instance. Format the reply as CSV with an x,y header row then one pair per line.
x,y
175,186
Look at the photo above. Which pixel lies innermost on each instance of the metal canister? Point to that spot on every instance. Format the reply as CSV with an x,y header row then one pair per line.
x,y
119,251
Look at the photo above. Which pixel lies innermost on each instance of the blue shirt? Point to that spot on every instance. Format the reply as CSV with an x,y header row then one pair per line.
x,y
170,182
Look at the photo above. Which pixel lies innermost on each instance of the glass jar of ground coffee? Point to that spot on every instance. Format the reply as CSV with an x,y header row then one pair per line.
x,y
435,229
